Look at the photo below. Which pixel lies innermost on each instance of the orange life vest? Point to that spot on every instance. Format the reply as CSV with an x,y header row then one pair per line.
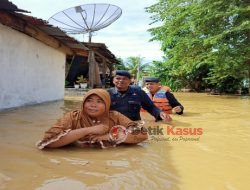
x,y
160,100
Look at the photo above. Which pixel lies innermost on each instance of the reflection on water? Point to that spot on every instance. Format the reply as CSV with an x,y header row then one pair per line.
x,y
62,183
219,160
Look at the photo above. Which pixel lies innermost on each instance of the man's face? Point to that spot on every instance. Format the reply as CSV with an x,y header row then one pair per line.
x,y
121,82
153,87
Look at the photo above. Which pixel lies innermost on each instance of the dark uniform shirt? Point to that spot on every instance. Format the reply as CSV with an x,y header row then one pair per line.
x,y
130,102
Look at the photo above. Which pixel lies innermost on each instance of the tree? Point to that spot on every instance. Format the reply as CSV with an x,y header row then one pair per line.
x,y
205,42
136,66
120,65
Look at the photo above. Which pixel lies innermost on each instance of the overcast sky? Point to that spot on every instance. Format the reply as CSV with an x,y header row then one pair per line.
x,y
126,37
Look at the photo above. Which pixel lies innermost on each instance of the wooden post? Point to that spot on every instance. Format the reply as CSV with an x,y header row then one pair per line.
x,y
110,74
104,69
91,69
94,74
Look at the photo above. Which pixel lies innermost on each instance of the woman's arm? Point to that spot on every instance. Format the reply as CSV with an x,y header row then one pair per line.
x,y
135,134
136,138
69,138
132,137
76,134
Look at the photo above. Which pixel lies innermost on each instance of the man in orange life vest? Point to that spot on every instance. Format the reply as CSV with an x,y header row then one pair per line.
x,y
162,97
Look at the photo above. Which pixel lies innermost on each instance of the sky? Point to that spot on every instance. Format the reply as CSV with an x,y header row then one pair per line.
x,y
126,37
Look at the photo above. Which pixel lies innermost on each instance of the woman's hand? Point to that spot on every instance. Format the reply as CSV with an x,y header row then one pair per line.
x,y
100,137
98,129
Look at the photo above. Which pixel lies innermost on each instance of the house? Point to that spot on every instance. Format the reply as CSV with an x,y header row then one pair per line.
x,y
32,58
80,66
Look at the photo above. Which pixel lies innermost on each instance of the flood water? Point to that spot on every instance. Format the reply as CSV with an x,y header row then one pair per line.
x,y
216,160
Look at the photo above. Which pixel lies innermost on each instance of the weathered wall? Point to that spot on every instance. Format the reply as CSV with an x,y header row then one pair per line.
x,y
30,71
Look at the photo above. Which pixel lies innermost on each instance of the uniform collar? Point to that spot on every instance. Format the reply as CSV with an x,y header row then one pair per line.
x,y
129,91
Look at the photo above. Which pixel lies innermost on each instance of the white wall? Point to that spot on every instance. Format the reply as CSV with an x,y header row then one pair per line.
x,y
30,71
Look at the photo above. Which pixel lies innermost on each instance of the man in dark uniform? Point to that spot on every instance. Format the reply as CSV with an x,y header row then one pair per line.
x,y
161,94
128,99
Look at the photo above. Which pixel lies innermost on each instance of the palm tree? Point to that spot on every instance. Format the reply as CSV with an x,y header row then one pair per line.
x,y
136,67
120,65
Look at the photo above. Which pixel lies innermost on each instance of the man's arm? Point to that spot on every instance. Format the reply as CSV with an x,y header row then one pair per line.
x,y
174,102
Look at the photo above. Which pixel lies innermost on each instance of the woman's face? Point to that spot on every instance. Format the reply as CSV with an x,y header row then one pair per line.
x,y
94,106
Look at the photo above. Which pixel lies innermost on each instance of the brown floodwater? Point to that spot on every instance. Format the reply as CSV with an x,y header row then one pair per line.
x,y
216,160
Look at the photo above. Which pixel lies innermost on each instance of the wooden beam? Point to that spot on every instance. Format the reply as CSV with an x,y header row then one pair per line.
x,y
104,58
17,23
95,49
81,52
104,70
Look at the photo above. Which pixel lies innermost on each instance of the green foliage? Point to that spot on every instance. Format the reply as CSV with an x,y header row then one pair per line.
x,y
135,65
205,42
67,83
81,79
164,72
121,65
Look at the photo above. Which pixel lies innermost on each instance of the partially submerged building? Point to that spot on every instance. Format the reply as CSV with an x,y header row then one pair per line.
x,y
32,58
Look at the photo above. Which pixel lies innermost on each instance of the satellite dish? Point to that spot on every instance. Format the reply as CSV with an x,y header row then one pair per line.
x,y
86,18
